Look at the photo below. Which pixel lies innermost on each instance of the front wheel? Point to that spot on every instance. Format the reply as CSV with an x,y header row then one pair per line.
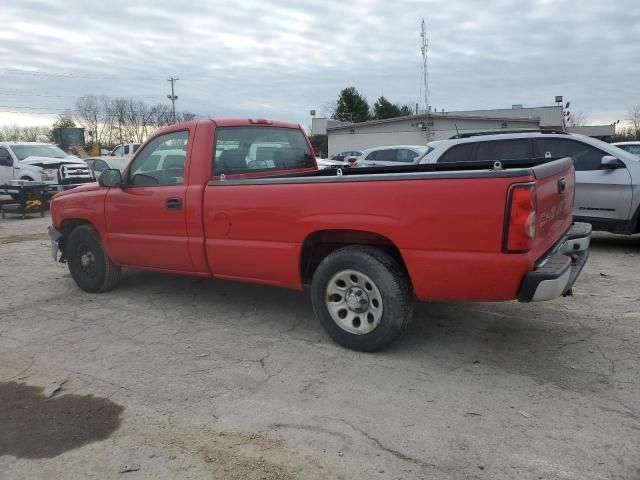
x,y
90,267
362,297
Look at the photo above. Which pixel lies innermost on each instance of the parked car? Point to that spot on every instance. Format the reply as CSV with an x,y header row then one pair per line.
x,y
474,234
326,163
125,150
44,162
607,177
631,147
347,156
99,164
391,156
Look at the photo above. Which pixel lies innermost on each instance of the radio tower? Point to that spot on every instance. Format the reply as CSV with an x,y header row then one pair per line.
x,y
425,76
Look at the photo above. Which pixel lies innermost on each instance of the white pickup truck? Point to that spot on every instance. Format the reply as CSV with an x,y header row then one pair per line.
x,y
42,162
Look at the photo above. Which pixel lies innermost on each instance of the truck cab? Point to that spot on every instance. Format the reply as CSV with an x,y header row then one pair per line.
x,y
125,150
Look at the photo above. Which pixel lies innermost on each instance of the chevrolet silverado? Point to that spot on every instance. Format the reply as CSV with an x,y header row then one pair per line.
x,y
242,199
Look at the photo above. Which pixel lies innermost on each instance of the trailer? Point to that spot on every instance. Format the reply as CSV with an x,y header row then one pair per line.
x,y
24,198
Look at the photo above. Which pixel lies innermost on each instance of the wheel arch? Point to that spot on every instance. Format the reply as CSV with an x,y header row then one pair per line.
x,y
317,245
66,227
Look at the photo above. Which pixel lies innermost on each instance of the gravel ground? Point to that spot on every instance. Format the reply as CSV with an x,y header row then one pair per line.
x,y
175,377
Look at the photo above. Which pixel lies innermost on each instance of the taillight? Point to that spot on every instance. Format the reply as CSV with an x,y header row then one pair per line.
x,y
521,219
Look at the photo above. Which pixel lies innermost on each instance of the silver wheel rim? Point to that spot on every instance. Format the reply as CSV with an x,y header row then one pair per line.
x,y
354,302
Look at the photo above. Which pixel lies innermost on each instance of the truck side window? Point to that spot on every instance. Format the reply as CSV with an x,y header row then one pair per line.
x,y
458,153
250,149
585,157
161,162
5,158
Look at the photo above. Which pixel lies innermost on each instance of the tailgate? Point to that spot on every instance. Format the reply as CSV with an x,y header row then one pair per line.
x,y
555,191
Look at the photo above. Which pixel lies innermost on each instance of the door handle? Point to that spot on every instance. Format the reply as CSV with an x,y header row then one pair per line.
x,y
562,185
173,203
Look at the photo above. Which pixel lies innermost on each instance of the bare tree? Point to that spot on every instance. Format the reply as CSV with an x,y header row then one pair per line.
x,y
633,115
160,115
15,133
577,119
119,109
87,115
110,121
106,122
186,116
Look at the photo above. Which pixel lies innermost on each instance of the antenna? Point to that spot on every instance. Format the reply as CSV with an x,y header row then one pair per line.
x,y
425,75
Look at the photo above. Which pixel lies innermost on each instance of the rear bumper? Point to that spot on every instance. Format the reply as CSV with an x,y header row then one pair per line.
x,y
557,271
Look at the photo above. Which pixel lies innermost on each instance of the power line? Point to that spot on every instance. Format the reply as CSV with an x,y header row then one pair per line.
x,y
24,94
16,71
45,95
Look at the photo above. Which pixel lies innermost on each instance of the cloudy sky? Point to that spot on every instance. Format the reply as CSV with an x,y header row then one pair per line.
x,y
277,59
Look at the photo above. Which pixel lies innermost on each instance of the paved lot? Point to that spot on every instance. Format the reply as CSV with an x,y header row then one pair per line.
x,y
188,378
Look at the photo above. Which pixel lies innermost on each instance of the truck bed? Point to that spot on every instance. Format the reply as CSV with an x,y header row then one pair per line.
x,y
256,228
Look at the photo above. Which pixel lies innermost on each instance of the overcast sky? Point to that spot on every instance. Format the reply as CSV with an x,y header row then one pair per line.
x,y
275,59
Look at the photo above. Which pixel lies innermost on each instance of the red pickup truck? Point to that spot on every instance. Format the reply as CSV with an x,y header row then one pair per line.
x,y
243,200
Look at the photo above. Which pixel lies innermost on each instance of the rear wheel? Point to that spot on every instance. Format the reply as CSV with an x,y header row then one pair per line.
x,y
362,297
91,268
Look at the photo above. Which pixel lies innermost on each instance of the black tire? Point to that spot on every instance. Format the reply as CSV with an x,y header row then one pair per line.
x,y
91,268
390,283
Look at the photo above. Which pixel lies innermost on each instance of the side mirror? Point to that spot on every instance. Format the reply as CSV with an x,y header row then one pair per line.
x,y
610,162
110,177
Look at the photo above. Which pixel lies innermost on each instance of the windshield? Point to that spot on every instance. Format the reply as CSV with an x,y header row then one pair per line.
x,y
119,163
631,148
51,151
617,151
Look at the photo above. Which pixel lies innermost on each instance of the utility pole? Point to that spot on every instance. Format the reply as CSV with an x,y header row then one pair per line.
x,y
425,76
173,97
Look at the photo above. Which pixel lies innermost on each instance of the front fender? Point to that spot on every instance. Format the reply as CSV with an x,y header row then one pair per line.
x,y
86,206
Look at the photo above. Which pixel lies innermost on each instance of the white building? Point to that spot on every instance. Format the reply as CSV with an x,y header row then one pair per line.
x,y
601,132
551,117
412,130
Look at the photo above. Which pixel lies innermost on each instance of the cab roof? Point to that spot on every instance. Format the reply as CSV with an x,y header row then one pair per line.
x,y
252,122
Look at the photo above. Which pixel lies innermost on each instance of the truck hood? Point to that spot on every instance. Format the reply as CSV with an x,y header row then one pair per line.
x,y
49,162
87,187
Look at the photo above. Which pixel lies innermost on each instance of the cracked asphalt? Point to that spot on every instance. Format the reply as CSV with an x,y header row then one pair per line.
x,y
215,379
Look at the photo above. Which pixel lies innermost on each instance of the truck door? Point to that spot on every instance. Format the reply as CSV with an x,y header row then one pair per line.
x,y
6,166
603,196
146,222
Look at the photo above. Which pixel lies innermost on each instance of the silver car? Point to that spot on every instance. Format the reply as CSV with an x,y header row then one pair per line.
x,y
631,147
391,156
99,164
607,177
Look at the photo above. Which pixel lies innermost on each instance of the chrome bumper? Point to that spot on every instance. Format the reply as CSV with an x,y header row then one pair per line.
x,y
55,236
556,273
